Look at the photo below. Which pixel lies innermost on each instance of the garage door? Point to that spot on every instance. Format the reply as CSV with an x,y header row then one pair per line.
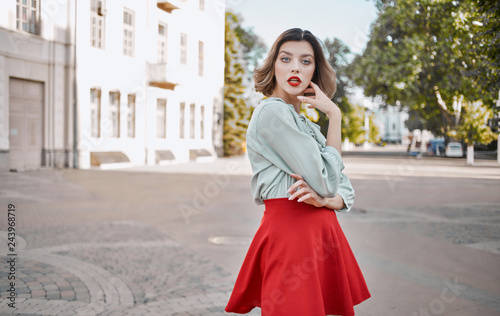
x,y
25,124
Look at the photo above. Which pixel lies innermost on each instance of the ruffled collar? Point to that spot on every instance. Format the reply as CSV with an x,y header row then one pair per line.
x,y
314,129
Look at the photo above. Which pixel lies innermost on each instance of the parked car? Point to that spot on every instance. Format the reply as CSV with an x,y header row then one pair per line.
x,y
454,149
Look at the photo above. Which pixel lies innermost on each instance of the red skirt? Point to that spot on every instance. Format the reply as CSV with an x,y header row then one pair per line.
x,y
298,264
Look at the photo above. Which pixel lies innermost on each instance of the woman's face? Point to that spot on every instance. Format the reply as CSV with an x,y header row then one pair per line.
x,y
293,69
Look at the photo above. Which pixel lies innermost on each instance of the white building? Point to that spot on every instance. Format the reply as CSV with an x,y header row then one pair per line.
x,y
35,103
149,82
391,122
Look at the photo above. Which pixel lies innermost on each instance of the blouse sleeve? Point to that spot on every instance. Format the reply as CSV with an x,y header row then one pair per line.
x,y
346,192
290,148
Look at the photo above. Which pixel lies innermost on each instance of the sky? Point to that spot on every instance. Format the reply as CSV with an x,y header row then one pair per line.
x,y
348,20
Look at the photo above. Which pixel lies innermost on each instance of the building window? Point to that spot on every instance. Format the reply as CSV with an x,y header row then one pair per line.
x,y
128,33
393,125
191,120
183,49
131,116
202,122
202,5
28,16
114,113
161,118
97,23
200,58
182,119
162,43
95,112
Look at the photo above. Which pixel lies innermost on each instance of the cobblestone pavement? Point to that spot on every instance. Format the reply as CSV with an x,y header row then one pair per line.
x,y
118,243
70,262
113,268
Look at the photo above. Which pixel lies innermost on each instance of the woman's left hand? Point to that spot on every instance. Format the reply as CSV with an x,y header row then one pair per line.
x,y
301,190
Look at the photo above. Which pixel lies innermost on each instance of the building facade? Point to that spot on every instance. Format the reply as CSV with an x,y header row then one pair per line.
x,y
35,101
391,122
137,82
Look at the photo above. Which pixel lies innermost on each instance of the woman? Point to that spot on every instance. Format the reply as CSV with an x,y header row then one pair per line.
x,y
299,262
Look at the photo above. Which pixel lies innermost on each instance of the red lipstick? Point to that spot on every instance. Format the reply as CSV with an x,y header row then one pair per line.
x,y
294,81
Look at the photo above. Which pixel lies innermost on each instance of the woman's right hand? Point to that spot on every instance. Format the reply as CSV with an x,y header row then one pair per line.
x,y
300,189
320,101
306,194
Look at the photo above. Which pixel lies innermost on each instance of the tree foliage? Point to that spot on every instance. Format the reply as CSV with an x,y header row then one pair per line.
x,y
431,55
339,55
486,46
353,121
473,128
253,46
236,111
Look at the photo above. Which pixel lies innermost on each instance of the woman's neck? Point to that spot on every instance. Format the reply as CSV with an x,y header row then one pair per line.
x,y
288,98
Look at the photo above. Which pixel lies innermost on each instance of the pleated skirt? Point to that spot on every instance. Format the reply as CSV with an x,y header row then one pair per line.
x,y
298,264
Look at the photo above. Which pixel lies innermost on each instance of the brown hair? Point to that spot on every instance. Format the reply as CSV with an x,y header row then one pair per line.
x,y
324,75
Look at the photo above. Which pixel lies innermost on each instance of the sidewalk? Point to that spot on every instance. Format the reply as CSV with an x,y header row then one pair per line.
x,y
357,166
239,165
169,240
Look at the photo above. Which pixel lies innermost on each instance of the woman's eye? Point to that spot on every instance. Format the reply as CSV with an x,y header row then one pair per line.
x,y
285,59
306,62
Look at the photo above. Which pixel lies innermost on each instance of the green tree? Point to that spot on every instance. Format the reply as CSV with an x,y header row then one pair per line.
x,y
353,122
339,55
353,118
236,111
254,48
473,128
414,121
373,130
423,54
485,46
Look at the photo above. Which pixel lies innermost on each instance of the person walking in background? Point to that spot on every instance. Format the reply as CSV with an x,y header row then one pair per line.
x,y
299,262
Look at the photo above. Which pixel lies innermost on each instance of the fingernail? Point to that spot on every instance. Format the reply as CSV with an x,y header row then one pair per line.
x,y
300,97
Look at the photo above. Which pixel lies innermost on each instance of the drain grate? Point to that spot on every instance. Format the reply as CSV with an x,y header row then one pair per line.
x,y
229,240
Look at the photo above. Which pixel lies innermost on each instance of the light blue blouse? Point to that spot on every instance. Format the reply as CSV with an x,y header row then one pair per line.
x,y
281,142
